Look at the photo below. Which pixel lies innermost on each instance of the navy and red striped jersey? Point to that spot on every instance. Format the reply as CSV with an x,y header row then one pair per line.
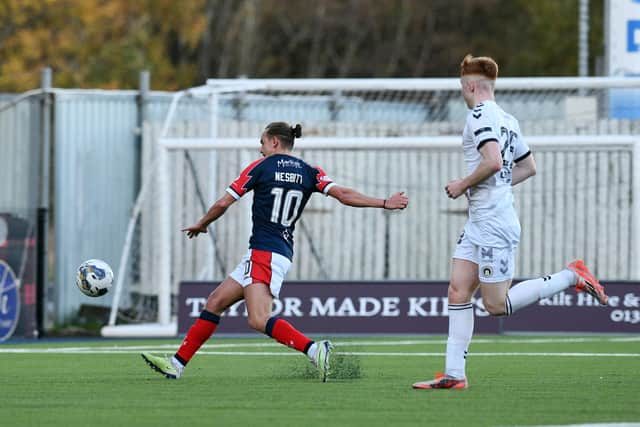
x,y
282,185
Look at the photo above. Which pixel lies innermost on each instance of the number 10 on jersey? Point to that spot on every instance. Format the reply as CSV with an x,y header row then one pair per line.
x,y
285,215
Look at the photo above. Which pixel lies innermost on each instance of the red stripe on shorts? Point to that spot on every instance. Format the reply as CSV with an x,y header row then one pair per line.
x,y
261,266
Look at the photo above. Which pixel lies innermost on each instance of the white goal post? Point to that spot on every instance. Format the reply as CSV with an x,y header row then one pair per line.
x,y
359,124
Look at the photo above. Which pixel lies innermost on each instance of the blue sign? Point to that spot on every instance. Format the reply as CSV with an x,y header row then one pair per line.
x,y
633,36
9,302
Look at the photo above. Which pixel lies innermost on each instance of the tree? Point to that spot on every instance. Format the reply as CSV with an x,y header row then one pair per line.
x,y
94,43
104,44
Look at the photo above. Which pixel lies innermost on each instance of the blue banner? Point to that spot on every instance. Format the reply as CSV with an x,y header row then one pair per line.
x,y
9,302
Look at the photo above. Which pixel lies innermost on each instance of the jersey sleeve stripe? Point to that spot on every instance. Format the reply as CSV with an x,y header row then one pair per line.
x,y
321,179
524,156
484,141
239,185
328,187
233,193
482,130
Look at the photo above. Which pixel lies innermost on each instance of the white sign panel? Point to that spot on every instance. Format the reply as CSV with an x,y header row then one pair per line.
x,y
624,37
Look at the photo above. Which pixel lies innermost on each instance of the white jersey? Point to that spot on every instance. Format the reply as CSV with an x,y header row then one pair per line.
x,y
492,218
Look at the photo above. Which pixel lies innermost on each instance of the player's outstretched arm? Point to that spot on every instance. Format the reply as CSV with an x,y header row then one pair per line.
x,y
215,211
350,197
523,169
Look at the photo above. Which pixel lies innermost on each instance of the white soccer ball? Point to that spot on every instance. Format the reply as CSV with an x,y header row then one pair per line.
x,y
94,277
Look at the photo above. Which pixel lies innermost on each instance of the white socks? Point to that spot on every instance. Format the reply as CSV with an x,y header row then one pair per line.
x,y
523,294
460,332
311,352
176,363
530,291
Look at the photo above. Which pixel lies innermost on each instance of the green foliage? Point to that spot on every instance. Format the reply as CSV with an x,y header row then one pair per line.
x,y
94,43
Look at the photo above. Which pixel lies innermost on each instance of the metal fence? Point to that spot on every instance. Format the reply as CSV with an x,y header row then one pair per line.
x,y
578,206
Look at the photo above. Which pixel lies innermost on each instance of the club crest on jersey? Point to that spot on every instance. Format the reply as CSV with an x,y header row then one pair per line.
x,y
487,271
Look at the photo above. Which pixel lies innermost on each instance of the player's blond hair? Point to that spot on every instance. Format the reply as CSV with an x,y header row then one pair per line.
x,y
479,65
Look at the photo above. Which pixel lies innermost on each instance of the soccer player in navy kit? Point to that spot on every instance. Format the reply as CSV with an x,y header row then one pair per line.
x,y
282,185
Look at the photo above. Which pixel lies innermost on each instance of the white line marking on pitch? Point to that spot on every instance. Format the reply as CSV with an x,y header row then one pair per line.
x,y
94,350
361,343
593,425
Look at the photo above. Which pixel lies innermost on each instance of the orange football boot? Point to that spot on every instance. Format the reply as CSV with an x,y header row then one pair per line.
x,y
587,282
442,381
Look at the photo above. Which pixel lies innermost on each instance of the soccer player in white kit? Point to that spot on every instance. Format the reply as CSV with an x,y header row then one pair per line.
x,y
496,158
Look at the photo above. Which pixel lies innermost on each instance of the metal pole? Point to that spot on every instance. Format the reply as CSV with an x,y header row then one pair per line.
x,y
141,101
583,38
42,214
213,167
164,236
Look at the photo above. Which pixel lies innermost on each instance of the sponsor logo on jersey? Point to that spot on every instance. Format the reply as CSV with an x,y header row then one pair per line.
x,y
282,163
486,253
477,111
504,263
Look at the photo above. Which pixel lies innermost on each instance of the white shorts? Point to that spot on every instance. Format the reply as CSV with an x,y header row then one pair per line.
x,y
262,267
494,264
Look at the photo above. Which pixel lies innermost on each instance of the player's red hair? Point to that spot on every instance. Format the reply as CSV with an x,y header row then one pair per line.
x,y
480,65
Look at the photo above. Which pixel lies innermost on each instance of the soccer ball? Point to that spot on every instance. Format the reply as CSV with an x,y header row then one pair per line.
x,y
94,277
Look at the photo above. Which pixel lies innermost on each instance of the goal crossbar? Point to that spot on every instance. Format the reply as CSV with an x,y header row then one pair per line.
x,y
413,84
389,143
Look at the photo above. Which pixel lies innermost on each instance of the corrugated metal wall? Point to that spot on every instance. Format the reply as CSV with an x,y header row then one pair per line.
x,y
96,175
20,155
98,167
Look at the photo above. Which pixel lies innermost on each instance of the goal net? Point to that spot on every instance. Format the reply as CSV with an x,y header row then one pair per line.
x,y
378,136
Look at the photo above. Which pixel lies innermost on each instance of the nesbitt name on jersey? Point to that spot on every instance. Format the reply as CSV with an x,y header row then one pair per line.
x,y
289,177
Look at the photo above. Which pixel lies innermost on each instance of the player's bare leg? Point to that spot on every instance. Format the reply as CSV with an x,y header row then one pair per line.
x,y
494,297
464,282
222,297
259,302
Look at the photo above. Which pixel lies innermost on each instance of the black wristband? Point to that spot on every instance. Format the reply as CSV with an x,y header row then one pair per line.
x,y
384,204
